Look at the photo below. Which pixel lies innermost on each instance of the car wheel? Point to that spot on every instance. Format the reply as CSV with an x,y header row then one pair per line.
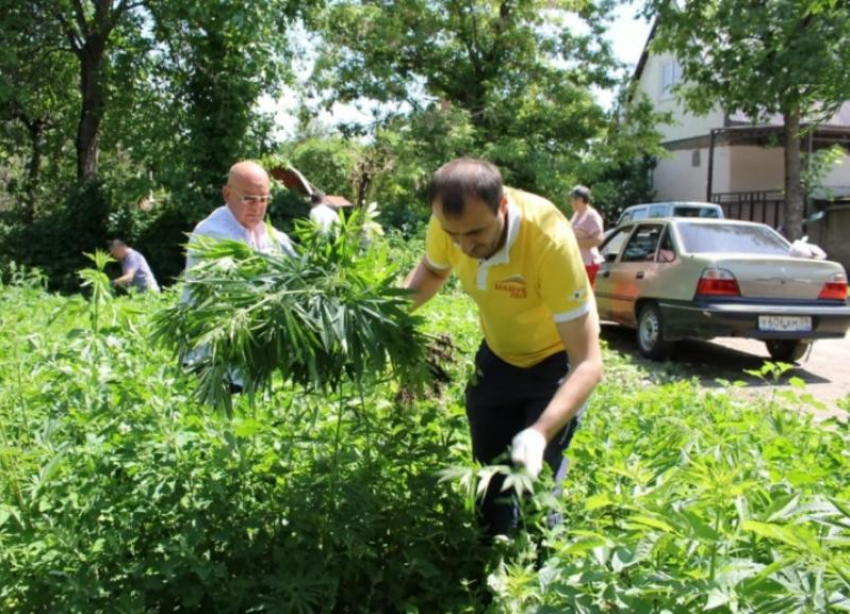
x,y
650,333
787,350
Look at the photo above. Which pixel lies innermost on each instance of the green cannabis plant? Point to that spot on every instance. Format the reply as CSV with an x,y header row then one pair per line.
x,y
333,311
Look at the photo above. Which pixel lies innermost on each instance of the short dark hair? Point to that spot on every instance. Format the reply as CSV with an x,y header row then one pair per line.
x,y
462,179
113,243
317,197
582,192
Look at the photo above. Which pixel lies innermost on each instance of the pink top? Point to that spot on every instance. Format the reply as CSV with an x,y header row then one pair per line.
x,y
585,225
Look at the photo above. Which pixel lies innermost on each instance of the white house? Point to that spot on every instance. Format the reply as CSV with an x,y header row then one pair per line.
x,y
722,157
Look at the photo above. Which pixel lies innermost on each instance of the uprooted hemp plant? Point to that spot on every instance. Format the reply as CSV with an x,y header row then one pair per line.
x,y
332,312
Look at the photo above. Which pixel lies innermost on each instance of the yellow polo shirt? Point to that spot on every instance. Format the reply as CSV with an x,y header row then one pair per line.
x,y
536,280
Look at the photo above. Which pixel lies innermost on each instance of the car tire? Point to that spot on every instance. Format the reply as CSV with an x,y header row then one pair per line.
x,y
650,333
787,350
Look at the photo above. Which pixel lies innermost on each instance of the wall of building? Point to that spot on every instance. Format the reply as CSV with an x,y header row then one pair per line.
x,y
762,169
756,169
686,125
684,174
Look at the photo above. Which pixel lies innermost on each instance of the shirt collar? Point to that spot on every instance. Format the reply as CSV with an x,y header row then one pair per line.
x,y
503,256
255,238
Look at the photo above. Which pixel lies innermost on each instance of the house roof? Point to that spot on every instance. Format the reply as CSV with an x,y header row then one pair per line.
x,y
644,56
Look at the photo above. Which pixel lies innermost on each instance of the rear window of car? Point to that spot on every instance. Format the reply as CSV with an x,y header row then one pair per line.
x,y
658,211
721,238
696,212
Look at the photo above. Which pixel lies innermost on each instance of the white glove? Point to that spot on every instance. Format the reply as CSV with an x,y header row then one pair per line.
x,y
527,450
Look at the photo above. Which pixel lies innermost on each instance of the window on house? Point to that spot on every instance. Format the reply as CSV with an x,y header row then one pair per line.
x,y
671,74
696,159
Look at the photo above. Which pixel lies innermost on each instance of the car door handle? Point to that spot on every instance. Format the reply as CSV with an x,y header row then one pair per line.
x,y
605,274
639,275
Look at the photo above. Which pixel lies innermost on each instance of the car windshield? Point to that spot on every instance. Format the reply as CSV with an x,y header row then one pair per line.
x,y
695,212
720,238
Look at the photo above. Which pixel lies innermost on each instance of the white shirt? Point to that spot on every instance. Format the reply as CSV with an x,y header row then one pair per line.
x,y
221,224
324,217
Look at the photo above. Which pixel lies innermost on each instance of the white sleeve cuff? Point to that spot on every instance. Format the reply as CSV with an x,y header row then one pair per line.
x,y
566,316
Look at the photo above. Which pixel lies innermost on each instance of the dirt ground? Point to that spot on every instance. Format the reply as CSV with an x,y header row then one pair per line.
x,y
826,369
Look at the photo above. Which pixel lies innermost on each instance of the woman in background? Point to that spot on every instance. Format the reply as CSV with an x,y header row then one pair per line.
x,y
589,231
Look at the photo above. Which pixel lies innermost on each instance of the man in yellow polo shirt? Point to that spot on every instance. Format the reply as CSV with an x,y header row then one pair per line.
x,y
515,254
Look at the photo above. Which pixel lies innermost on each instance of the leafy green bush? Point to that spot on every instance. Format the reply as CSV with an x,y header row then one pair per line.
x,y
56,242
685,502
120,493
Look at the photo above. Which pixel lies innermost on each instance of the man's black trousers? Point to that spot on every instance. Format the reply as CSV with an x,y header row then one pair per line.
x,y
501,401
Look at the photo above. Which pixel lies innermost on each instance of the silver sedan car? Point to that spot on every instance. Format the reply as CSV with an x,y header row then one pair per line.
x,y
699,278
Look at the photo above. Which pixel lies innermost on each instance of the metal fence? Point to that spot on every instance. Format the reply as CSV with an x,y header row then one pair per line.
x,y
764,207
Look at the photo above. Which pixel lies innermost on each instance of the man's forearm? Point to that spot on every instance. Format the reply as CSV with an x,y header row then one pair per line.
x,y
424,283
570,397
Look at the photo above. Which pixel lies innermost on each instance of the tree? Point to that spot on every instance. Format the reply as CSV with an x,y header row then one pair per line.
x,y
89,27
217,59
35,81
787,57
517,74
620,169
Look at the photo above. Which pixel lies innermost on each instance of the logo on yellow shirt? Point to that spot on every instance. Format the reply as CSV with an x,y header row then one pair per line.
x,y
514,285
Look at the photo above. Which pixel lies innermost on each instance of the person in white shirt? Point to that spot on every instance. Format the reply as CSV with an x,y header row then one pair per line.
x,y
241,218
321,214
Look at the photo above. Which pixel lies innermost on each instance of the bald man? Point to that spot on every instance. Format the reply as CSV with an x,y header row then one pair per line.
x,y
241,218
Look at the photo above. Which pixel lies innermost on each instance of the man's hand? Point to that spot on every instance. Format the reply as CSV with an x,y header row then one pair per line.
x,y
527,450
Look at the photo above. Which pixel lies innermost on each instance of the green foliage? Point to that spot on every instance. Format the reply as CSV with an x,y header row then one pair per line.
x,y
508,81
55,243
332,312
816,168
787,57
682,501
37,101
327,162
170,106
118,492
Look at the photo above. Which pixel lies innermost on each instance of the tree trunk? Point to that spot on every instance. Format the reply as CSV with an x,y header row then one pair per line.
x,y
93,105
36,133
793,227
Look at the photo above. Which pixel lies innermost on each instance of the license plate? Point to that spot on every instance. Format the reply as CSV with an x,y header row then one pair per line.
x,y
785,323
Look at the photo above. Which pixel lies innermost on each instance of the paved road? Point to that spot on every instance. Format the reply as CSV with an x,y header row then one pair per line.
x,y
826,369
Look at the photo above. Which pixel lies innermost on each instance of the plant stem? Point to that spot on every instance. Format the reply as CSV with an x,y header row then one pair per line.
x,y
337,437
712,569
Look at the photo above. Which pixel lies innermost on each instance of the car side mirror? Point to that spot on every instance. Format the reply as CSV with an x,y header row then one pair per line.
x,y
610,256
